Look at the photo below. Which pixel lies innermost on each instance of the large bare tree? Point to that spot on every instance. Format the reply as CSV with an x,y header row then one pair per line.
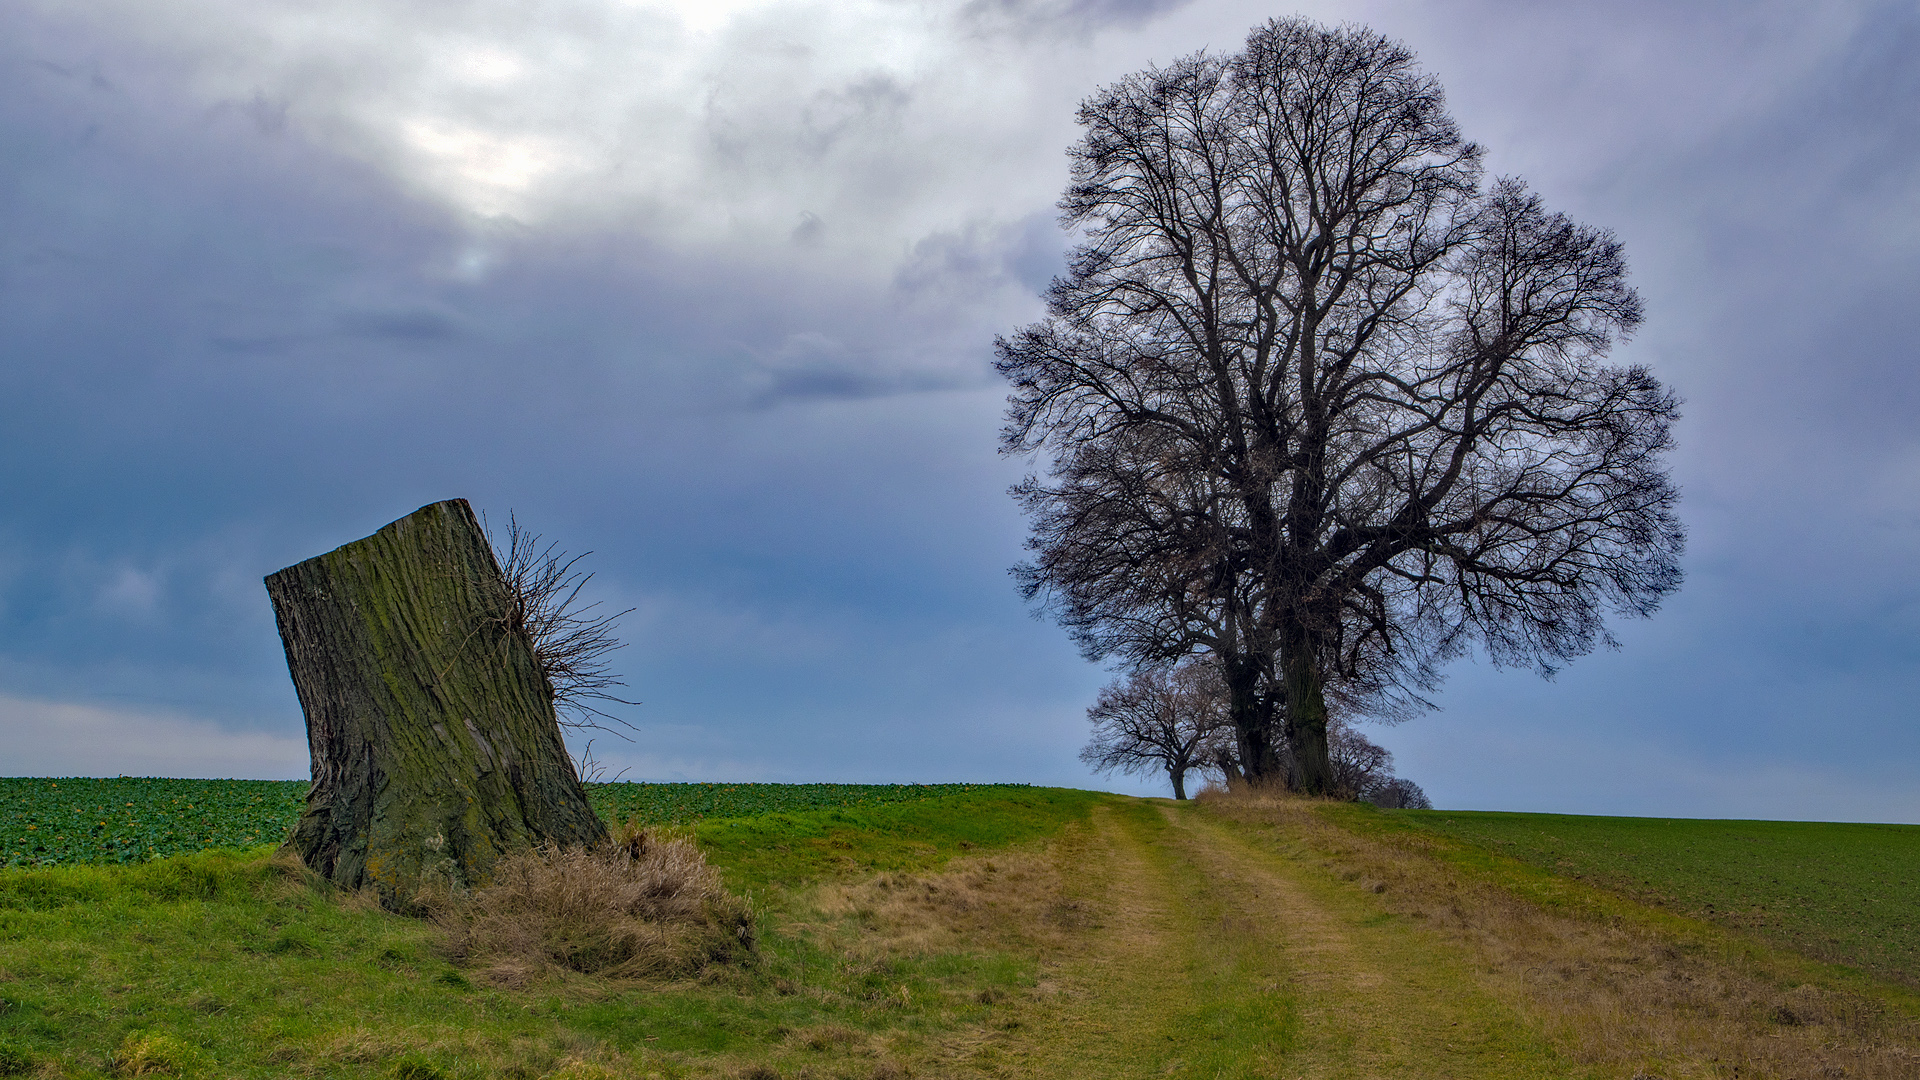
x,y
1319,401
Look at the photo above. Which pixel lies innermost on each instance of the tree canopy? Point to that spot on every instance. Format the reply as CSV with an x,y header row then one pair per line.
x,y
1316,399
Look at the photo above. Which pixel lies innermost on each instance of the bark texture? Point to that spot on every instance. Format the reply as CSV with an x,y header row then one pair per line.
x,y
434,741
1307,723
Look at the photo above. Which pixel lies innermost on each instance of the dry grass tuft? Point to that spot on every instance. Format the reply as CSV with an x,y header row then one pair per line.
x,y
509,974
361,1046
1653,996
580,1069
153,1053
643,904
830,1037
1241,790
1210,790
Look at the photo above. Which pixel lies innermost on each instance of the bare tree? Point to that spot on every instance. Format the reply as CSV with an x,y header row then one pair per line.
x,y
1160,719
1358,763
1316,401
1397,793
1134,544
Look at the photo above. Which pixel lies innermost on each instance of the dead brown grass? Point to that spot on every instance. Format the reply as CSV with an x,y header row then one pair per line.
x,y
363,1051
1640,991
1210,791
1013,900
644,904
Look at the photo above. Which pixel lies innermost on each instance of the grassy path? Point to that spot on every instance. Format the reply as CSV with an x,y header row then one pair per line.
x,y
1217,956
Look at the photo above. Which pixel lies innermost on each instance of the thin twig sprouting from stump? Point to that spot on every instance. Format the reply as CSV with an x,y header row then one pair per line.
x,y
571,642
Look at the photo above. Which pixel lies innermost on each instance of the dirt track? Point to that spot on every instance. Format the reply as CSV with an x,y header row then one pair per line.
x,y
1213,955
1221,945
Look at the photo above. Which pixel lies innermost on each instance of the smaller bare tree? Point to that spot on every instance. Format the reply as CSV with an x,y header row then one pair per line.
x,y
1171,719
1397,793
1359,763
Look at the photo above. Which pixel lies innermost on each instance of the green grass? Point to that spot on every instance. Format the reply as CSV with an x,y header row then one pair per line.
x,y
790,849
1839,892
226,959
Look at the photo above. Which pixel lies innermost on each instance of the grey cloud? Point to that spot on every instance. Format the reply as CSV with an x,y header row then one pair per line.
x,y
761,136
980,259
810,230
417,327
870,103
269,115
810,365
52,738
1071,17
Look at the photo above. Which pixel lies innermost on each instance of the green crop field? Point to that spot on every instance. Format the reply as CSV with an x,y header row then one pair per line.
x,y
1841,892
78,820
68,821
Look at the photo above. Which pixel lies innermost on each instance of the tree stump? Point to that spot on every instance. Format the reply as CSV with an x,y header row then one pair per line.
x,y
432,729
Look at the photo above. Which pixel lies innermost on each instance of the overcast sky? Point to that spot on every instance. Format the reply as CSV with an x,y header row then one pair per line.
x,y
710,289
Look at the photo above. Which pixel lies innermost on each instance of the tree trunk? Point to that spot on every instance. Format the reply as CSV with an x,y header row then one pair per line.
x,y
1230,772
1307,722
434,741
1252,716
1179,777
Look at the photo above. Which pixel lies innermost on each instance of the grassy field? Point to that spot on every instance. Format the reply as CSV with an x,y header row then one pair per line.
x,y
224,958
987,930
1841,892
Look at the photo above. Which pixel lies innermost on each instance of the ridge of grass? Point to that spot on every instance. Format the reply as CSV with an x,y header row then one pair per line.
x,y
1376,993
1843,893
1592,902
684,803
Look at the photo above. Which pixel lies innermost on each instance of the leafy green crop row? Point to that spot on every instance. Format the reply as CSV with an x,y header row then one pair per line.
x,y
129,819
73,820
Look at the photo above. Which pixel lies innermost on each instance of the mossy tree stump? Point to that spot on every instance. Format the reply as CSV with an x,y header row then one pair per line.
x,y
434,740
